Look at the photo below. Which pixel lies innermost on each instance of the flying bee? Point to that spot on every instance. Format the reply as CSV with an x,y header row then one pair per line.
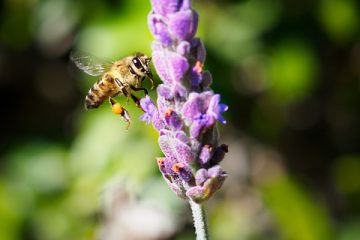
x,y
124,76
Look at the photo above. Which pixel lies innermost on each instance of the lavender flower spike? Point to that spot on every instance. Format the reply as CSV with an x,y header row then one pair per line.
x,y
187,110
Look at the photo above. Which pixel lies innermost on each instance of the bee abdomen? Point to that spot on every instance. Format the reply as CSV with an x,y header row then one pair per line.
x,y
97,94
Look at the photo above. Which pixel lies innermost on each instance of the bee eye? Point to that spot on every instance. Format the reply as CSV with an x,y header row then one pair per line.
x,y
137,62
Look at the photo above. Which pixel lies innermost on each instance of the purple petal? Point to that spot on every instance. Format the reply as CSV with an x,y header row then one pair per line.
x,y
168,164
195,129
205,154
170,66
164,91
175,149
215,108
193,106
157,122
200,51
169,91
201,176
183,25
181,135
165,132
223,107
159,29
204,120
194,25
147,105
215,171
196,104
149,108
197,194
201,110
184,152
183,171
183,48
179,90
163,104
214,101
151,113
165,7
161,66
185,5
179,66
221,119
172,119
145,118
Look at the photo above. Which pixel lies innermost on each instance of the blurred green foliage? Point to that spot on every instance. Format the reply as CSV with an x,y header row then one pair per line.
x,y
288,70
345,26
292,70
299,216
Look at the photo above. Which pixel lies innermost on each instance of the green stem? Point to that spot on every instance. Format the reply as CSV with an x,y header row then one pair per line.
x,y
200,221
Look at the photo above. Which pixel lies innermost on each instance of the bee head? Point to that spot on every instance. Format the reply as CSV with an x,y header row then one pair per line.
x,y
141,66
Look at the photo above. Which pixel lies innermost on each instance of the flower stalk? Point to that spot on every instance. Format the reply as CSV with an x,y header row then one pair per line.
x,y
200,221
186,110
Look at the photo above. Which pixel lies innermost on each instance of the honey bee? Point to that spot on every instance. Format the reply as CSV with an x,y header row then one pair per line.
x,y
124,76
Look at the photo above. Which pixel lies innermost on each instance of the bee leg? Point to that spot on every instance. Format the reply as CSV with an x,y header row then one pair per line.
x,y
123,89
151,80
117,109
126,93
119,82
127,99
136,100
139,89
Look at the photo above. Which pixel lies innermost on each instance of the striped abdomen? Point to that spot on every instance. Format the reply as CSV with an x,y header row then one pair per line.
x,y
101,91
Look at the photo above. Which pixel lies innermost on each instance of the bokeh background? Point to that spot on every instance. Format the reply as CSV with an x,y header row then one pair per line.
x,y
289,71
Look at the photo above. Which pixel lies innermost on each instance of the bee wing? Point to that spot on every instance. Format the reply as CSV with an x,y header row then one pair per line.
x,y
90,64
